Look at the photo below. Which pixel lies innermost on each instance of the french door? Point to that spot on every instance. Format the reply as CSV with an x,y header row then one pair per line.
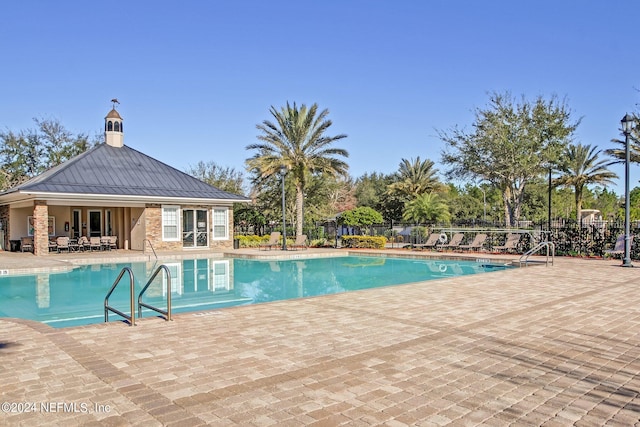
x,y
95,223
195,228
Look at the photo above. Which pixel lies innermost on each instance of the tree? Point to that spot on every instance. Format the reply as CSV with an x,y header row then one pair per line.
x,y
606,201
619,154
298,142
28,153
510,145
249,217
371,190
465,204
581,167
224,178
360,217
426,207
414,178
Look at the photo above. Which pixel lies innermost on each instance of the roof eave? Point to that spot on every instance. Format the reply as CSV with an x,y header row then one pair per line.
x,y
125,199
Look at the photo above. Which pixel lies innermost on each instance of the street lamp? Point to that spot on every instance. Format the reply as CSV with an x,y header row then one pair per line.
x,y
283,173
628,123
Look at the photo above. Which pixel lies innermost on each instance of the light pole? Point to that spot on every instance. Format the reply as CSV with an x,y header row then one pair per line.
x,y
283,173
484,206
549,203
628,123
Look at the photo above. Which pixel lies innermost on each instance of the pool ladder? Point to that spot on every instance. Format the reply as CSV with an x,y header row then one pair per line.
x,y
132,318
549,246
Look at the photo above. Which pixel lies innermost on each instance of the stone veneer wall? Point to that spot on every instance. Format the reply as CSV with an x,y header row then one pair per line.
x,y
41,228
4,220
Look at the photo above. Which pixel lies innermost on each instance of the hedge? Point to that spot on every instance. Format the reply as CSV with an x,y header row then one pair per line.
x,y
369,242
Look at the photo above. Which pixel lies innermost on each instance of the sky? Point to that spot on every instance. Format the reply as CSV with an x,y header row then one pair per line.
x,y
194,78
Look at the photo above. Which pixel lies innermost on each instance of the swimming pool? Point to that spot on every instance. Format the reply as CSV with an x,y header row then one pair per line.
x,y
76,297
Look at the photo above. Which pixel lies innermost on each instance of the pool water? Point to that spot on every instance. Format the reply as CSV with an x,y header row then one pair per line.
x,y
77,297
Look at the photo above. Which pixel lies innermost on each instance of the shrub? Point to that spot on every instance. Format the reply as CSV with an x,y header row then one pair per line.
x,y
370,242
251,241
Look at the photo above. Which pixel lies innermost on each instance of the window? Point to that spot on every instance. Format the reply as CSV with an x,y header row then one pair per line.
x,y
220,224
116,126
175,268
170,223
220,275
110,126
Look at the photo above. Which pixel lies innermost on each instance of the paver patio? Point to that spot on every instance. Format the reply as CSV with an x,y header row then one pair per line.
x,y
551,346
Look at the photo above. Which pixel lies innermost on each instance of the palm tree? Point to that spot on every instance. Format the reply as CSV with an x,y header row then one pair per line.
x,y
426,207
580,167
296,141
414,178
634,146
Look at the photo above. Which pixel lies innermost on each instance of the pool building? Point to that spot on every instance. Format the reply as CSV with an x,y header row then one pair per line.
x,y
115,190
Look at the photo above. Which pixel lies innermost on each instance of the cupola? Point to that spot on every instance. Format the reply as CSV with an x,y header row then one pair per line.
x,y
113,131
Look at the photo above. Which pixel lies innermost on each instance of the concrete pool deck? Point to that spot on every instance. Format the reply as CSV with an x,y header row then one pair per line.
x,y
555,346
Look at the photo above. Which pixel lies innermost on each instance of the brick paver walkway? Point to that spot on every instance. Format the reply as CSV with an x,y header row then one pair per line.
x,y
551,346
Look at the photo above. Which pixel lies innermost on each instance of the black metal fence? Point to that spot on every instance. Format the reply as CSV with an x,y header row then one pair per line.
x,y
571,238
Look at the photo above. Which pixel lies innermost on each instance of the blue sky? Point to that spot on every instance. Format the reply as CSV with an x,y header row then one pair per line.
x,y
195,77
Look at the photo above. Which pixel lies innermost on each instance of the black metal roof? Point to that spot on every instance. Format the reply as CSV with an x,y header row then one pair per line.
x,y
122,171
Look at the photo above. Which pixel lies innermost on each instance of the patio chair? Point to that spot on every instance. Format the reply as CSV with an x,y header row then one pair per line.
x,y
273,241
510,245
108,242
83,243
431,243
62,243
618,248
26,244
476,244
453,243
74,246
94,243
300,242
53,246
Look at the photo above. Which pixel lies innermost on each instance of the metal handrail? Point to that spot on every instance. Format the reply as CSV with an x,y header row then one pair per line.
x,y
548,245
150,245
141,304
107,307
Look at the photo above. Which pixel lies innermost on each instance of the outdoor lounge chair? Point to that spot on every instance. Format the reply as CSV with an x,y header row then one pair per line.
x,y
618,248
510,244
274,241
453,243
300,242
26,244
431,243
476,244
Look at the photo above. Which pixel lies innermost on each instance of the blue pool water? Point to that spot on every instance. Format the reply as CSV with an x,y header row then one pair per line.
x,y
77,297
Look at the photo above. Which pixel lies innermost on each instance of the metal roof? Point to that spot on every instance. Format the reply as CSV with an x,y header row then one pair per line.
x,y
114,171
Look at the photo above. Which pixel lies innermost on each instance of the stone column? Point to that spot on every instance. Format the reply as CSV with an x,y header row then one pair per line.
x,y
41,228
4,219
